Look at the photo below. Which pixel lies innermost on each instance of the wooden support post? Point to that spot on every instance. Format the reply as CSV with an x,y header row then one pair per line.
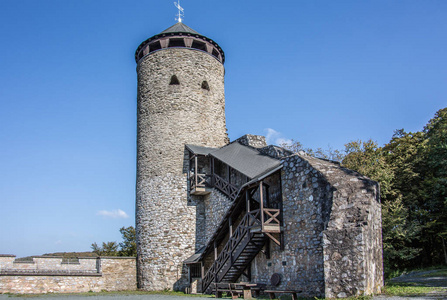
x,y
202,267
261,196
230,224
215,250
228,174
213,171
247,198
195,170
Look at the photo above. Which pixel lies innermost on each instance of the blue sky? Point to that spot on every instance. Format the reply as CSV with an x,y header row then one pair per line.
x,y
320,72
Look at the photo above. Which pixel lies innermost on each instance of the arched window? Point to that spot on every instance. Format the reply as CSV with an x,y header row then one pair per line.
x,y
205,85
174,80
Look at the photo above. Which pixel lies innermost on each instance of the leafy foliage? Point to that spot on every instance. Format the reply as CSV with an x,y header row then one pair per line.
x,y
127,247
412,172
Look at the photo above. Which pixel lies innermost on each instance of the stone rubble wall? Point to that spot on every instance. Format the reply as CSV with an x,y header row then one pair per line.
x,y
304,211
353,236
166,232
255,141
216,206
169,227
115,274
332,233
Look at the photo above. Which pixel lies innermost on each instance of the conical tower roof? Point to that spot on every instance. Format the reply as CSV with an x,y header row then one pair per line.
x,y
179,27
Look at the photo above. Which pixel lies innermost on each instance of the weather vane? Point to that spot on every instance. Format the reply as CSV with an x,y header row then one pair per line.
x,y
180,14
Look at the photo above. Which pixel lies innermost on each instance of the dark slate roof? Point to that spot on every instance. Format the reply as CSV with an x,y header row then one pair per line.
x,y
179,27
199,149
195,257
246,160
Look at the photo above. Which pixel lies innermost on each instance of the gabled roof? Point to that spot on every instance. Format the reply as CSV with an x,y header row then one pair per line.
x,y
200,150
179,27
246,160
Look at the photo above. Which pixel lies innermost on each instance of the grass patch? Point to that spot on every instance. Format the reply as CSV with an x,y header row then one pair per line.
x,y
389,274
408,289
442,273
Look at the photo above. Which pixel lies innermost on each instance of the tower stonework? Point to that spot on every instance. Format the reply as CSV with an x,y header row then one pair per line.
x,y
181,101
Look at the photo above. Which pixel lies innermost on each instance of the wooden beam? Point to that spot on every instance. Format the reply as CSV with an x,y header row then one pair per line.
x,y
202,267
230,225
273,238
195,170
215,250
261,197
247,198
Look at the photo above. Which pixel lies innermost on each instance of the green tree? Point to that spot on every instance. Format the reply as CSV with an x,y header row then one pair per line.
x,y
107,249
128,247
434,197
368,159
399,232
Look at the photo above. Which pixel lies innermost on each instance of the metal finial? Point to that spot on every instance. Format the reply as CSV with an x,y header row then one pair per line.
x,y
181,13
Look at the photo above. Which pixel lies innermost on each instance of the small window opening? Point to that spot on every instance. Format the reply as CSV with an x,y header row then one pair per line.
x,y
198,45
154,46
215,53
174,80
205,85
176,43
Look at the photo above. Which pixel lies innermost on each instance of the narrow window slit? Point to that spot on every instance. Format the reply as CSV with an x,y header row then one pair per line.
x,y
174,80
205,85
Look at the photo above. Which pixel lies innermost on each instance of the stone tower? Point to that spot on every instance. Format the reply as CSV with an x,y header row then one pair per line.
x,y
181,101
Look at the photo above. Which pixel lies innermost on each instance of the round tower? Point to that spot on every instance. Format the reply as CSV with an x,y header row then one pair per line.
x,y
181,101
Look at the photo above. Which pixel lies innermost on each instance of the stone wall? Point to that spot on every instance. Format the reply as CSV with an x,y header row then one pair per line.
x,y
332,231
169,226
216,206
50,275
255,141
300,264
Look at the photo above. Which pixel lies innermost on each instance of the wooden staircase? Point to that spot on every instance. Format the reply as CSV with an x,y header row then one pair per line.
x,y
243,245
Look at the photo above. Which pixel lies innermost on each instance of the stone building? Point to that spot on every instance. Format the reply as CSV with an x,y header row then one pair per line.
x,y
210,211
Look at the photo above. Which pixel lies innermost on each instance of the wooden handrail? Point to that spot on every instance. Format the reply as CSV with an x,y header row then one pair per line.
x,y
227,252
225,187
198,180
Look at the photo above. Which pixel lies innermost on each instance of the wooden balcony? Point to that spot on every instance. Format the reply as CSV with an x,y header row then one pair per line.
x,y
200,184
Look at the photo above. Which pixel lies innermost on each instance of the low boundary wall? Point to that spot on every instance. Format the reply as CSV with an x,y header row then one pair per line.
x,y
43,274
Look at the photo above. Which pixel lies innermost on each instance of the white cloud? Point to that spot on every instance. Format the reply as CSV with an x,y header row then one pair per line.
x,y
276,138
58,242
114,214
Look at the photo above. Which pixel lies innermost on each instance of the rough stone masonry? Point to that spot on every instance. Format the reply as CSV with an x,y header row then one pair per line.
x,y
331,216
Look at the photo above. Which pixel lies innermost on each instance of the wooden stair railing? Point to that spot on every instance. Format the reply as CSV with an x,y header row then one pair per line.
x,y
198,180
239,251
225,187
